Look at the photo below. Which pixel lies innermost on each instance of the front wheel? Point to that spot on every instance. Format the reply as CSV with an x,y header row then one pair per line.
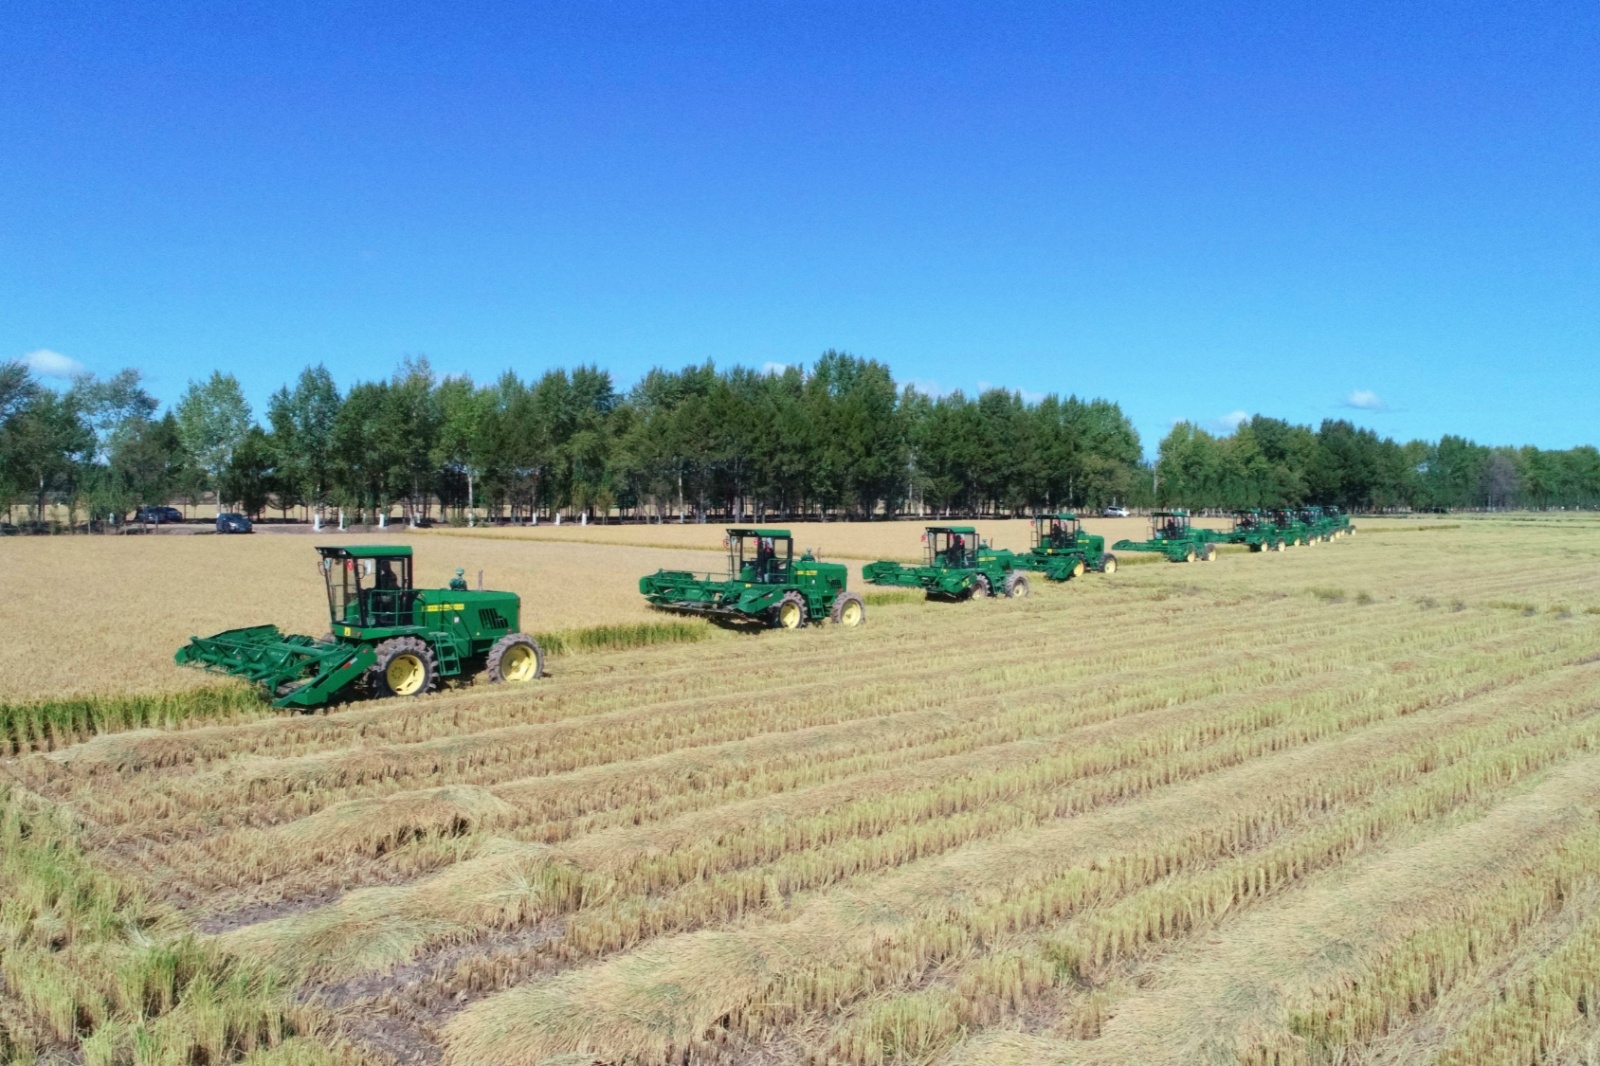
x,y
515,658
1078,568
404,667
849,610
1209,554
981,587
790,612
1108,565
1017,585
1189,556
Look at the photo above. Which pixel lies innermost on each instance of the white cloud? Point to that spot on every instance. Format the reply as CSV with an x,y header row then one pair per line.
x,y
1365,400
928,387
774,368
50,364
1225,424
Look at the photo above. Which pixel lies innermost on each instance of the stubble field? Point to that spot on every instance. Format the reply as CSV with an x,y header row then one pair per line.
x,y
1338,805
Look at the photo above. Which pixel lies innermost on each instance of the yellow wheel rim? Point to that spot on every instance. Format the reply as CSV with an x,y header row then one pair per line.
x,y
789,616
1189,558
404,674
1077,568
851,615
519,663
1020,589
1111,566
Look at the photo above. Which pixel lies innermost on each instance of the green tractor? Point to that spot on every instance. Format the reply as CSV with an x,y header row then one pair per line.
x,y
386,636
957,565
1254,529
765,584
1293,531
1340,522
1172,535
1063,550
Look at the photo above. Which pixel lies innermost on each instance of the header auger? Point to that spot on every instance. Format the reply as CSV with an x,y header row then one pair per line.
x,y
957,565
393,639
765,584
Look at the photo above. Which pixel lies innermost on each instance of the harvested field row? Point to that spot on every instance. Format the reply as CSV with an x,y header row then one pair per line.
x,y
1242,812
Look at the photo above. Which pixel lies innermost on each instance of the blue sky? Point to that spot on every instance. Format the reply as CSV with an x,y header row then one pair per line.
x,y
1384,212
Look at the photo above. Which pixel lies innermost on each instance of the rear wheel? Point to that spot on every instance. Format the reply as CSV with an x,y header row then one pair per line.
x,y
1277,545
1017,585
1208,553
405,667
981,586
849,610
790,611
515,658
1108,565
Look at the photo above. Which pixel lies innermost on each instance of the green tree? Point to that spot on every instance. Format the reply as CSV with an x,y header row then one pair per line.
x,y
302,421
213,418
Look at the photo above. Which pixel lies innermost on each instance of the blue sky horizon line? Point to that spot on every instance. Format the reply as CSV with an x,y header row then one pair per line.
x,y
1388,214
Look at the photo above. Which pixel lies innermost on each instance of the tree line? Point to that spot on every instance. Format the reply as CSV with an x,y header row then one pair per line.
x,y
837,439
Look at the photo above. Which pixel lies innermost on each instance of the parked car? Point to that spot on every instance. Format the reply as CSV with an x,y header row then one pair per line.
x,y
1114,512
234,523
157,515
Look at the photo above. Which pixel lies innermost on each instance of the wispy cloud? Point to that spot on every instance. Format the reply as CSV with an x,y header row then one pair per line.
x,y
50,364
928,387
774,368
1365,400
1229,422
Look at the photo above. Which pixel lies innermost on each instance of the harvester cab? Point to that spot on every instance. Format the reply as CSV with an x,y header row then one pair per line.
x,y
760,556
385,633
951,546
764,584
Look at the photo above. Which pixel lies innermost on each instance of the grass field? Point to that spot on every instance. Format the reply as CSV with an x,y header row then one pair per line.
x,y
1338,805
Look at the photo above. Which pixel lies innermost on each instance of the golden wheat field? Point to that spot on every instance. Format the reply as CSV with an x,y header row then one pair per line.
x,y
1337,805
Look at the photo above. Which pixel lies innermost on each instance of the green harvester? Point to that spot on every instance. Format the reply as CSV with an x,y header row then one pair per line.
x,y
764,584
956,566
1172,535
1254,529
1292,529
1063,550
386,636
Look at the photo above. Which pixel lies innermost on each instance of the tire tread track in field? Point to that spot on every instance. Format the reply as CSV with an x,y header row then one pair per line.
x,y
1226,812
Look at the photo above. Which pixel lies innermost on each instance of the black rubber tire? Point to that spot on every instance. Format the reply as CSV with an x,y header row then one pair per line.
x,y
392,649
1017,587
1108,563
494,665
1190,556
980,587
776,614
1208,554
840,604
